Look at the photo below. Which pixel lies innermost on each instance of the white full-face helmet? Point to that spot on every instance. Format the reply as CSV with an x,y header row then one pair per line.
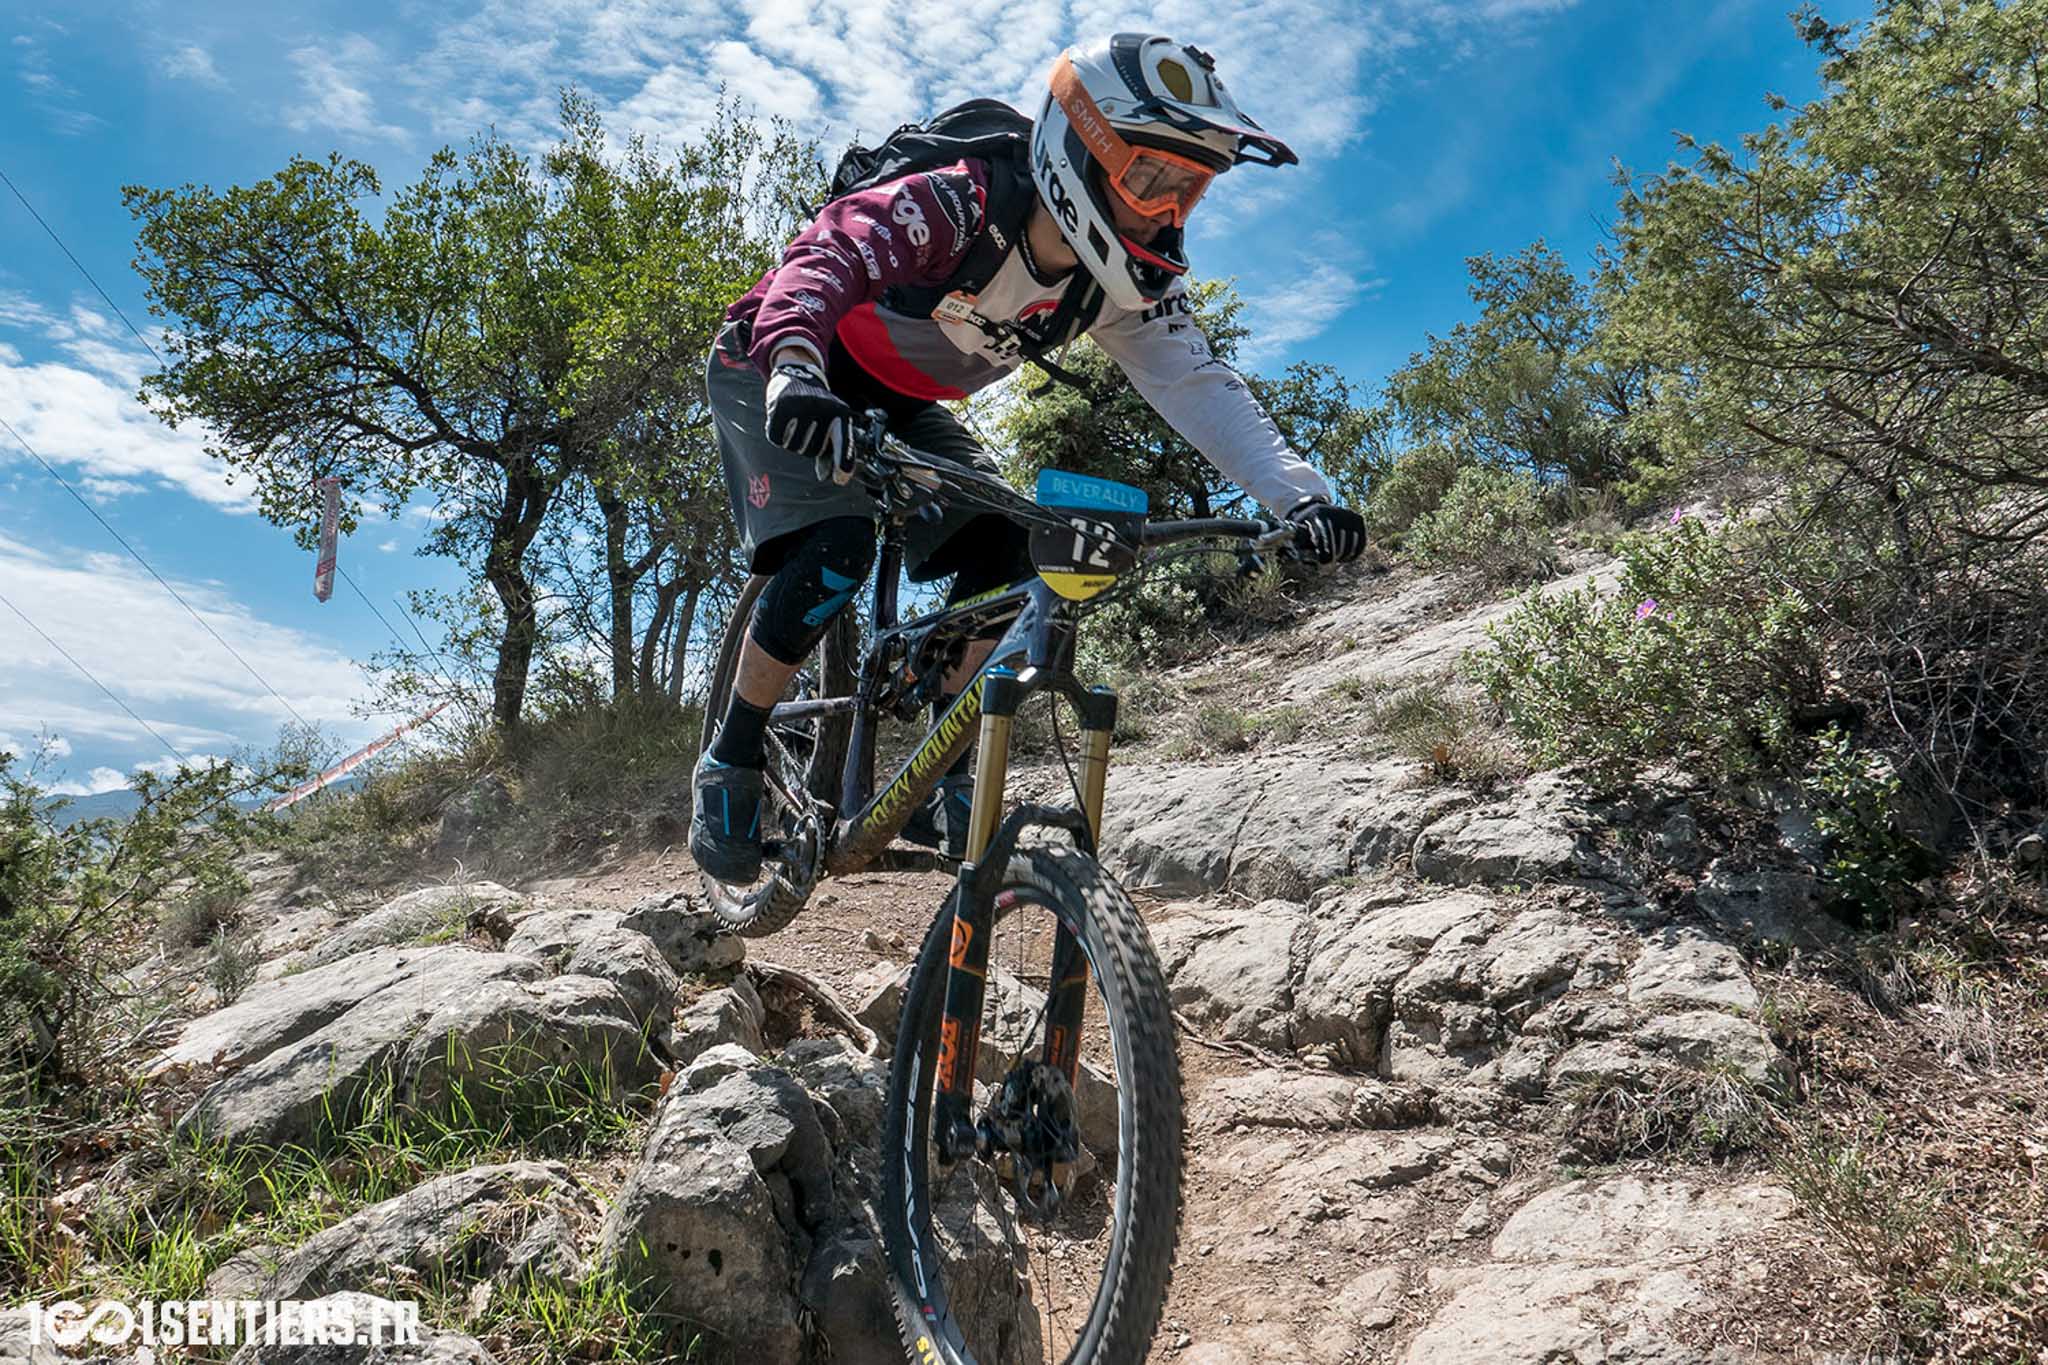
x,y
1143,118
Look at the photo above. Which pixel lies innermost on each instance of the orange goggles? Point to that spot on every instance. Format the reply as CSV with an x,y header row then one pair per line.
x,y
1153,182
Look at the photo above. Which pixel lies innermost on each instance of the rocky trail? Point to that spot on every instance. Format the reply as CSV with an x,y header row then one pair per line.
x,y
1400,999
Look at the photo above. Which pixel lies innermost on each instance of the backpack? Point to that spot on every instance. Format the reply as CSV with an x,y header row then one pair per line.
x,y
993,132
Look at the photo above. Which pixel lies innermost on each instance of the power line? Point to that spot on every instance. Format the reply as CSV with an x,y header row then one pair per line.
x,y
400,639
80,264
394,633
51,471
95,681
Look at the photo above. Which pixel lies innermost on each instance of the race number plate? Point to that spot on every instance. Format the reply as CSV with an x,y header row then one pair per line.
x,y
1107,519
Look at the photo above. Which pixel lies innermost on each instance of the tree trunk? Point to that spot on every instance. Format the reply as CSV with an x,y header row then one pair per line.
x,y
619,580
517,523
653,639
680,651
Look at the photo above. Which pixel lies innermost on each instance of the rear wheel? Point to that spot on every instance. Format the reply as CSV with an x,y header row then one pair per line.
x,y
802,785
1044,1248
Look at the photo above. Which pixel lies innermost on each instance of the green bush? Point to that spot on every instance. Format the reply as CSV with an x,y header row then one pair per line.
x,y
1871,861
1411,488
1700,658
78,904
1491,520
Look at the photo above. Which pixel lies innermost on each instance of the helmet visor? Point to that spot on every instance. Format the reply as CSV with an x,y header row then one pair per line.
x,y
1157,183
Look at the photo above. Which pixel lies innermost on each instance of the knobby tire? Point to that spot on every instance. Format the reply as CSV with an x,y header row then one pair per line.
x,y
1131,996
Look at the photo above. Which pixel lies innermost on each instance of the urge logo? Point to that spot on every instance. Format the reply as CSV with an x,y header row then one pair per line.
x,y
906,212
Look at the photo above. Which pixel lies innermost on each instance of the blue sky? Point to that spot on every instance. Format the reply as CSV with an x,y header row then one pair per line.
x,y
1429,130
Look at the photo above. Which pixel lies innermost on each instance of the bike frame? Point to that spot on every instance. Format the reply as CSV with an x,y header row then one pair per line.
x,y
1035,654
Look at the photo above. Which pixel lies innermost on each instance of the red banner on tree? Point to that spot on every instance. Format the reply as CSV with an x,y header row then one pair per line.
x,y
330,526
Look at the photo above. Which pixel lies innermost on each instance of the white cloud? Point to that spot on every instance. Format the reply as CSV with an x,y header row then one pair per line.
x,y
83,417
191,62
44,746
334,78
88,419
388,546
123,627
97,781
168,767
1302,307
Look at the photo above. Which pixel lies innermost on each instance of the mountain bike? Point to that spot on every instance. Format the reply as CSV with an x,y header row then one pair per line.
x,y
1023,1141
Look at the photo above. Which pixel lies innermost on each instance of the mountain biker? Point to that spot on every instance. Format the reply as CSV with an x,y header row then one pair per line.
x,y
860,314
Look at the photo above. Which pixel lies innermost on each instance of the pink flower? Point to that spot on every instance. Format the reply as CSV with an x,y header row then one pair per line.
x,y
1677,515
1646,608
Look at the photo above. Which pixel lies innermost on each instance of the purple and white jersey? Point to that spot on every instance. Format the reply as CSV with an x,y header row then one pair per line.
x,y
915,232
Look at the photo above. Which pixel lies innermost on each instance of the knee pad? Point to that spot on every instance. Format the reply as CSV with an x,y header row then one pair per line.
x,y
823,570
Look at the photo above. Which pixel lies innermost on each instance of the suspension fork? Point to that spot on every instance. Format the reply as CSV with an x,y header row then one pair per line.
x,y
974,906
967,961
1068,1001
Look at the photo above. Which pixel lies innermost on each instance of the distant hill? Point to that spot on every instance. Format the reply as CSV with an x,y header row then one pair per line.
x,y
119,805
113,805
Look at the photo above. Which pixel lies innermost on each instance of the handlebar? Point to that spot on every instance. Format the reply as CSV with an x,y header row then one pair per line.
x,y
895,473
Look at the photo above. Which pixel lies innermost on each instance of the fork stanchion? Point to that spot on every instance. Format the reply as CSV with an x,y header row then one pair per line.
x,y
1097,710
999,700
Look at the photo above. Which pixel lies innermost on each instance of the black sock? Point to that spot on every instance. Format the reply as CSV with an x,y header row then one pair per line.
x,y
739,743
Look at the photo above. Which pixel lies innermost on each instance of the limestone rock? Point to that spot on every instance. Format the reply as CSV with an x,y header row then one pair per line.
x,y
715,1063
1772,903
1295,824
1604,1061
854,1084
716,1219
1362,947
1535,835
1232,971
15,1347
732,1014
1627,1218
688,936
505,1038
307,1045
1703,1038
844,1287
1600,1271
1309,1102
1686,969
554,935
630,962
879,989
430,913
243,1275
489,1222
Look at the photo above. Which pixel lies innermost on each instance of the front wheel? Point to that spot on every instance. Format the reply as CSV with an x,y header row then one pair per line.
x,y
1025,1253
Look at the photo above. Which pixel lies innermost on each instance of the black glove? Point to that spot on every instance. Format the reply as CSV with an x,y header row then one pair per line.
x,y
1328,533
807,418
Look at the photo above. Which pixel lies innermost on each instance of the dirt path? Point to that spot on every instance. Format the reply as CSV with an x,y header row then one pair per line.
x,y
1309,1234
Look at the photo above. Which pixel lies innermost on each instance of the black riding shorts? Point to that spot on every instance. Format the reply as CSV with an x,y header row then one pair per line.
x,y
775,493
